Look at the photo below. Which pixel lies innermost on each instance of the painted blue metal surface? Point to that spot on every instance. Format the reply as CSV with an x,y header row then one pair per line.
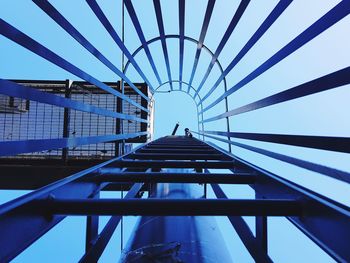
x,y
204,29
317,210
51,11
19,91
329,143
16,147
27,42
325,221
18,232
176,239
244,232
235,19
181,38
322,169
110,29
187,38
327,82
129,6
329,19
159,16
171,207
271,18
99,245
20,226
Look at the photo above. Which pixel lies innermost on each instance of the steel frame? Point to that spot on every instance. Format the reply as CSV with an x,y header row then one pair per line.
x,y
206,20
187,38
51,11
25,41
13,89
19,91
235,19
322,218
326,21
324,83
271,18
130,8
108,26
276,196
325,221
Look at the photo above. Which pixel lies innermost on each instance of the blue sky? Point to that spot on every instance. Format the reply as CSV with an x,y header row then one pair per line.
x,y
325,113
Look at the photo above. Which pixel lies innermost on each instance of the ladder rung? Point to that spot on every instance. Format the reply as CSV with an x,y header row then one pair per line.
x,y
161,150
167,207
176,156
107,175
174,146
175,164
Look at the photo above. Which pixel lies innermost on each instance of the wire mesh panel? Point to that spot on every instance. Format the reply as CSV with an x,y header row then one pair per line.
x,y
83,124
30,120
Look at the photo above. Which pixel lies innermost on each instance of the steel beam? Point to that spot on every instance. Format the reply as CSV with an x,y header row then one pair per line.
x,y
20,226
166,150
129,6
16,147
98,245
187,38
318,168
66,119
51,11
110,29
175,164
12,89
234,21
168,207
176,144
179,147
107,175
119,146
181,38
207,16
271,18
159,16
338,144
91,226
325,221
330,81
261,228
333,16
245,234
29,43
177,156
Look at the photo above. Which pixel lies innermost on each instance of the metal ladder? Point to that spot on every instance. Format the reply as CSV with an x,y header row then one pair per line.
x,y
141,169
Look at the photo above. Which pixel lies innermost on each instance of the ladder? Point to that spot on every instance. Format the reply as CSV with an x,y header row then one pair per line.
x,y
150,164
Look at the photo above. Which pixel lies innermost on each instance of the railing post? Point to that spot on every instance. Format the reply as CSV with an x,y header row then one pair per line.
x,y
203,137
227,120
118,127
91,227
261,229
122,86
66,118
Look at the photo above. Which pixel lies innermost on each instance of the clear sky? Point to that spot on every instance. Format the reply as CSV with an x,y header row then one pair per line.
x,y
324,113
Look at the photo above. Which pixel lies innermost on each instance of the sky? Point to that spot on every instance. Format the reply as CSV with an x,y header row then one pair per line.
x,y
323,114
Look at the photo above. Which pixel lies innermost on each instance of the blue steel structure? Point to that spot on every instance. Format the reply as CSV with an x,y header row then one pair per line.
x,y
150,167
